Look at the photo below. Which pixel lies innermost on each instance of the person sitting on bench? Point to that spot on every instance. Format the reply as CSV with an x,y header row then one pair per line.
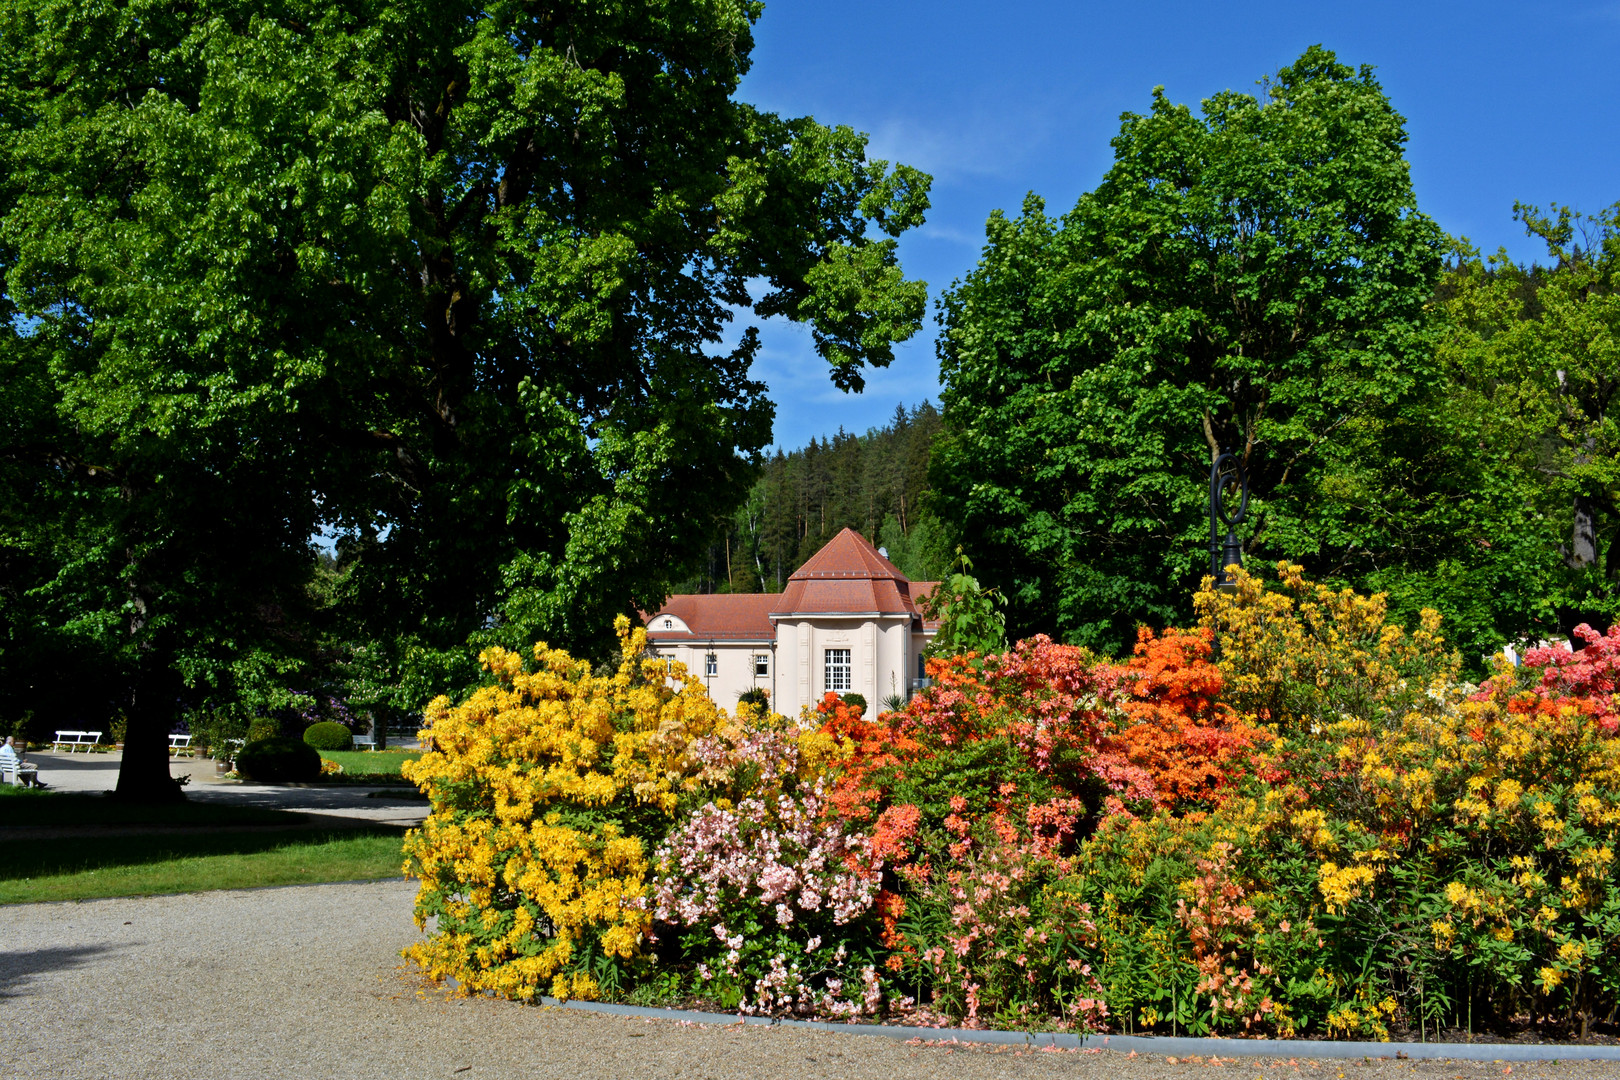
x,y
11,762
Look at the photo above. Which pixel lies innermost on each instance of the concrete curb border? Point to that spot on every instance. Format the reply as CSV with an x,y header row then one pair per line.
x,y
1143,1044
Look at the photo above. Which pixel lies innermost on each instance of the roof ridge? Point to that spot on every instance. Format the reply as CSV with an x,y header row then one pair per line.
x,y
848,556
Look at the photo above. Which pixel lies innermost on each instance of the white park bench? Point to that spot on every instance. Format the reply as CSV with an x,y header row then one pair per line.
x,y
365,742
75,739
180,744
9,773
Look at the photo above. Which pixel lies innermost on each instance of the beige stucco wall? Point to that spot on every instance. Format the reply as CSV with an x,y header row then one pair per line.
x,y
734,663
883,661
882,656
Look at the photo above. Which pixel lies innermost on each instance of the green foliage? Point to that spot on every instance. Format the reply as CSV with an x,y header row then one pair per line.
x,y
876,484
970,619
1251,278
1531,355
924,552
328,735
854,701
279,760
757,696
262,728
469,278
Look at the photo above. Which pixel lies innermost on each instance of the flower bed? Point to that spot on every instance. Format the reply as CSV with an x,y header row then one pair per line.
x,y
1325,832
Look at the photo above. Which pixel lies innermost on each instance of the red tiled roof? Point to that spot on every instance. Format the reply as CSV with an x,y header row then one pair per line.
x,y
847,555
718,616
846,577
920,591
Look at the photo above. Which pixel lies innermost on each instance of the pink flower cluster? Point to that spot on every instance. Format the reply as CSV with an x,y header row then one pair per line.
x,y
763,757
783,857
785,987
1590,673
1588,678
997,946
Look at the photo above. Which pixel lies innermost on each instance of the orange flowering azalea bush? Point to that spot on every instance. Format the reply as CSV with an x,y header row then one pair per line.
x,y
1294,818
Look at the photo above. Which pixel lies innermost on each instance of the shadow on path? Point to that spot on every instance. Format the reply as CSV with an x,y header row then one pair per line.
x,y
17,966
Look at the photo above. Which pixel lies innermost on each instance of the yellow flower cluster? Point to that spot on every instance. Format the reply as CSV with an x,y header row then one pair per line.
x,y
1303,655
521,861
1363,1016
1341,884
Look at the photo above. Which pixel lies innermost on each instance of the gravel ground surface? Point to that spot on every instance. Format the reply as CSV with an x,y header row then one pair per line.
x,y
307,982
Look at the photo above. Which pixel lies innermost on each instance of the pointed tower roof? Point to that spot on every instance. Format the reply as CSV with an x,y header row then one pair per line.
x,y
847,555
846,577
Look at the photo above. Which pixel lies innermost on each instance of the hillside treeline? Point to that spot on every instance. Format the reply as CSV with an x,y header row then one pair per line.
x,y
874,483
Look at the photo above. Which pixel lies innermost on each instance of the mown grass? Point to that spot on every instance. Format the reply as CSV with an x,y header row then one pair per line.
x,y
371,762
28,807
83,868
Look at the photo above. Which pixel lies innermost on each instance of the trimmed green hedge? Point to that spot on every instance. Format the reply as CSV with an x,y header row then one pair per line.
x,y
329,735
279,760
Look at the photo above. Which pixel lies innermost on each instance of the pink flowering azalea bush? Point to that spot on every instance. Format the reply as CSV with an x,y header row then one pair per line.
x,y
773,901
987,925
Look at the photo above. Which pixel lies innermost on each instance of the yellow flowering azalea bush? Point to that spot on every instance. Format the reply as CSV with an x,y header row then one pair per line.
x,y
544,784
551,788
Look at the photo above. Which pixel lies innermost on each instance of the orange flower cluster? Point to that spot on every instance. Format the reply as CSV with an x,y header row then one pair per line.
x,y
1194,747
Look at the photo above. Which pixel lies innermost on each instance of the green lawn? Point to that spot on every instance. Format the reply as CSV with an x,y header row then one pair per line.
x,y
26,806
140,865
371,762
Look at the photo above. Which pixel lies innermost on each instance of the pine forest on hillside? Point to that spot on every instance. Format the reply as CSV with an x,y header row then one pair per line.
x,y
874,483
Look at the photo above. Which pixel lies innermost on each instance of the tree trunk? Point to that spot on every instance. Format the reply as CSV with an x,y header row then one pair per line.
x,y
1583,550
1582,554
143,776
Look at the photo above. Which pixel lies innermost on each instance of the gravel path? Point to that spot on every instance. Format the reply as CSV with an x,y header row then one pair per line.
x,y
307,982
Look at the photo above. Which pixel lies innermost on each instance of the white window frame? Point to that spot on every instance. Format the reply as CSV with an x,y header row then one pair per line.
x,y
762,665
711,665
839,670
669,624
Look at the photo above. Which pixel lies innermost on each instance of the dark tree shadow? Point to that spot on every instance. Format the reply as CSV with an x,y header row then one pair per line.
x,y
17,966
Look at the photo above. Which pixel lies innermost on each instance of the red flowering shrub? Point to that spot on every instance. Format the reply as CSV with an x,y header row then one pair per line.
x,y
1586,679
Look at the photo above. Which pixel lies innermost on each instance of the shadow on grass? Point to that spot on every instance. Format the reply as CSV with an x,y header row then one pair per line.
x,y
17,966
27,807
73,855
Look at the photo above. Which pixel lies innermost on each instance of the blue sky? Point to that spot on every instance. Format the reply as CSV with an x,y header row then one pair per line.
x,y
1503,102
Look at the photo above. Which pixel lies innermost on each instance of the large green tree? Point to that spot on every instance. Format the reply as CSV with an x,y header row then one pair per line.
x,y
451,280
1534,354
1257,278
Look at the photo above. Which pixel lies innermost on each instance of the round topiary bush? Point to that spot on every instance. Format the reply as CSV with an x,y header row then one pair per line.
x,y
329,735
855,701
279,760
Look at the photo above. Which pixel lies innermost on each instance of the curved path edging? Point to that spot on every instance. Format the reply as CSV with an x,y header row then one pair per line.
x,y
1144,1044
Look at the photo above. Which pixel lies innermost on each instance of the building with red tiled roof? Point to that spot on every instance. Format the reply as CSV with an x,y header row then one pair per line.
x,y
848,622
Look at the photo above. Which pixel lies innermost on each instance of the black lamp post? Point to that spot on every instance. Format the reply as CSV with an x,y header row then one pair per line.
x,y
1228,551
